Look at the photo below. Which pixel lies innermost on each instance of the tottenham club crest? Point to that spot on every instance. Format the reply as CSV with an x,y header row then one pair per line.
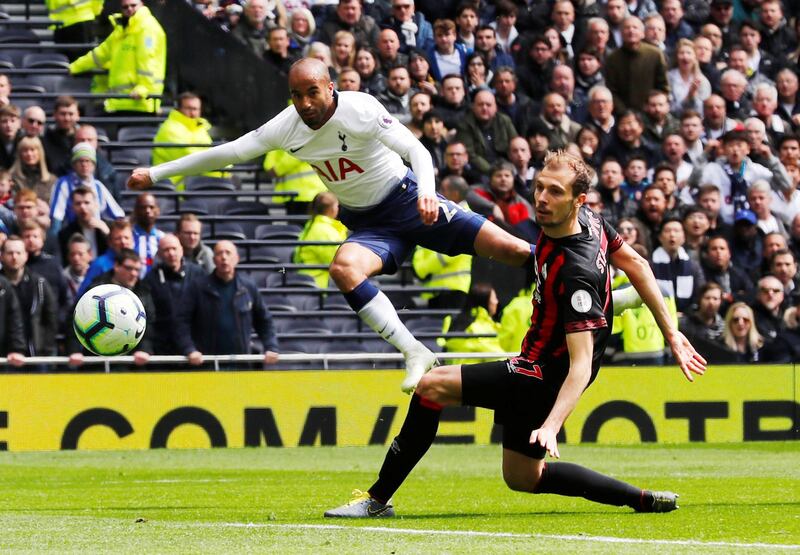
x,y
342,137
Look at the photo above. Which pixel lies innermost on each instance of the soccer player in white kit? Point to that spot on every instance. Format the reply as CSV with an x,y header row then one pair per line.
x,y
357,148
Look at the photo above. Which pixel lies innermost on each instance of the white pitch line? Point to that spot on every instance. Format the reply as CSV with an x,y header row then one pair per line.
x,y
474,533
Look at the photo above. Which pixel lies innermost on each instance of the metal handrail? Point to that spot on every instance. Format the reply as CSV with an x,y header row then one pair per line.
x,y
217,359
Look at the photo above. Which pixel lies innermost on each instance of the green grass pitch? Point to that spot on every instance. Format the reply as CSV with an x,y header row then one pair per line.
x,y
734,498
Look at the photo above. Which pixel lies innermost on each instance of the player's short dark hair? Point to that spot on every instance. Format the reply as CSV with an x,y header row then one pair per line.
x,y
430,115
126,254
584,176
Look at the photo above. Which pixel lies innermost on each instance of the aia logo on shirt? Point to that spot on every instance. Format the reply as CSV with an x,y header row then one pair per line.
x,y
337,170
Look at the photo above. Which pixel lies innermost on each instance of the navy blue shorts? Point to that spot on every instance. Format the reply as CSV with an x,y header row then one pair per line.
x,y
393,228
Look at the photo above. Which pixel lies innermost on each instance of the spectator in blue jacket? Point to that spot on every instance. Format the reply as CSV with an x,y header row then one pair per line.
x,y
120,236
447,57
218,312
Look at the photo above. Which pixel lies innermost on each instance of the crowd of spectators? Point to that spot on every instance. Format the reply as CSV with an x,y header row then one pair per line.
x,y
689,112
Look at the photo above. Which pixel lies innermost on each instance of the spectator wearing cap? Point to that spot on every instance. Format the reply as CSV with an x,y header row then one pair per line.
x,y
410,25
721,15
746,244
434,138
535,70
635,69
420,70
734,172
521,109
486,44
778,38
446,55
485,132
104,171
9,134
673,268
349,16
84,163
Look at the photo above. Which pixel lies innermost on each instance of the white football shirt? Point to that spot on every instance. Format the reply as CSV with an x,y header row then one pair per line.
x,y
358,152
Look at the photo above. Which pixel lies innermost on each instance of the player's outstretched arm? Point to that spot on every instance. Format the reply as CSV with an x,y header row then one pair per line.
x,y
244,148
641,275
580,346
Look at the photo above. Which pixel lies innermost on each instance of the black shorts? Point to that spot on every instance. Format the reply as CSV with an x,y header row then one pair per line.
x,y
515,391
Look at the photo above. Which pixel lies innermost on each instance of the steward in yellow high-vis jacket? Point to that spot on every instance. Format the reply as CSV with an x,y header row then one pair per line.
x,y
77,21
295,175
135,55
323,226
183,125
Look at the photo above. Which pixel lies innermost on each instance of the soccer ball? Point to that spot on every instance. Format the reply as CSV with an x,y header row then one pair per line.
x,y
109,320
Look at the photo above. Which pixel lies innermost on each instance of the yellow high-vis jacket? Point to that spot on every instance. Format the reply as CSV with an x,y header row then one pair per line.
x,y
293,175
136,58
178,128
319,228
70,12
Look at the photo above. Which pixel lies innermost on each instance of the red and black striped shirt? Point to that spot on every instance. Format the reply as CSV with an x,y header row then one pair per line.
x,y
572,294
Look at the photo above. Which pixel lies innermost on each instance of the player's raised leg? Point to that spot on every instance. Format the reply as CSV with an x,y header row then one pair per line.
x,y
497,244
530,475
350,270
